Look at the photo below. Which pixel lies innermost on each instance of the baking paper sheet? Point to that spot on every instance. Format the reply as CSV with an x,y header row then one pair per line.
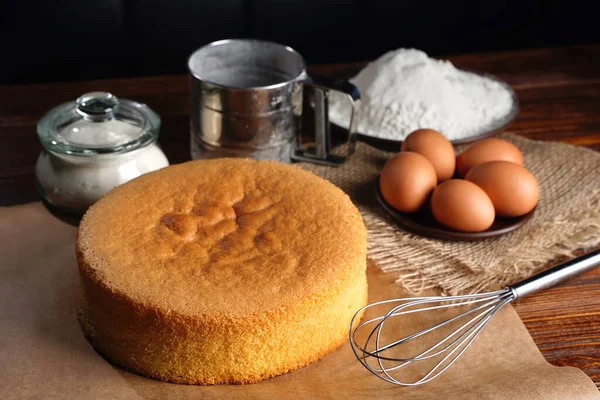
x,y
44,355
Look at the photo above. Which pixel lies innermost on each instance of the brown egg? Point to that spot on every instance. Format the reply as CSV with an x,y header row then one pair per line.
x,y
436,148
463,206
511,187
485,150
406,181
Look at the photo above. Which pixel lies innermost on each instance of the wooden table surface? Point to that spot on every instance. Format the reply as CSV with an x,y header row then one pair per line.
x,y
559,94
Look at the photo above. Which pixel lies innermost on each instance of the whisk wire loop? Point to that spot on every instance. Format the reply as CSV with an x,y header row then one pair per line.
x,y
428,330
449,348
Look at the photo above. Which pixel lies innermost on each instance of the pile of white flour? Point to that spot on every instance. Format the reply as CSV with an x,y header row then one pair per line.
x,y
405,90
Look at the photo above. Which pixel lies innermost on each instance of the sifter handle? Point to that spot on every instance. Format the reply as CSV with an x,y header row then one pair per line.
x,y
556,274
320,153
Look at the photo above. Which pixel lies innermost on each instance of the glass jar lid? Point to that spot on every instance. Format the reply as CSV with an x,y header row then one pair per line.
x,y
98,123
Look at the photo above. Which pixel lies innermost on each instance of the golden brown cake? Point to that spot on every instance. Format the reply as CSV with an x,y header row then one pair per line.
x,y
220,271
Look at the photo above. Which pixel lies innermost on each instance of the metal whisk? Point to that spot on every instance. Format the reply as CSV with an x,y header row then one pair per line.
x,y
480,310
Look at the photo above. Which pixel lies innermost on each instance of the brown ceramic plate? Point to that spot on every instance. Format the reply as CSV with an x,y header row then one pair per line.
x,y
492,129
423,223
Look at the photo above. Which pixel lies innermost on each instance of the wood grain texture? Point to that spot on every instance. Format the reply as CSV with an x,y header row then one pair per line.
x,y
564,322
559,94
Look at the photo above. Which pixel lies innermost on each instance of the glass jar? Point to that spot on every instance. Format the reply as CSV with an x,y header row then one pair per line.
x,y
92,145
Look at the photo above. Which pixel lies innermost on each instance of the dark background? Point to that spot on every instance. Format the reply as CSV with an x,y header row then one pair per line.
x,y
45,41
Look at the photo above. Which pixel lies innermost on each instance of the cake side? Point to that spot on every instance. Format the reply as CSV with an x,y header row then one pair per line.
x,y
192,350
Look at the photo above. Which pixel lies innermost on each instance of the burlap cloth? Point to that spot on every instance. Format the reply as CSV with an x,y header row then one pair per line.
x,y
567,218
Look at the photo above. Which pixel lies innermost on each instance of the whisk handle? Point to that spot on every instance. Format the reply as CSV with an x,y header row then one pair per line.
x,y
556,274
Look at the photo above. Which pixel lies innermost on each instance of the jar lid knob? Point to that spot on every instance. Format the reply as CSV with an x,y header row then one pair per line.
x,y
97,106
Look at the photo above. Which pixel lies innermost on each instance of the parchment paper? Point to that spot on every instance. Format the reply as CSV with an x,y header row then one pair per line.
x,y
44,355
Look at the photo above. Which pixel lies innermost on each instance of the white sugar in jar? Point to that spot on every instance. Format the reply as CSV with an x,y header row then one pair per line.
x,y
93,145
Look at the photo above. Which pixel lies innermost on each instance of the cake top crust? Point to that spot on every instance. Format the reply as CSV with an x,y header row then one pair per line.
x,y
231,237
